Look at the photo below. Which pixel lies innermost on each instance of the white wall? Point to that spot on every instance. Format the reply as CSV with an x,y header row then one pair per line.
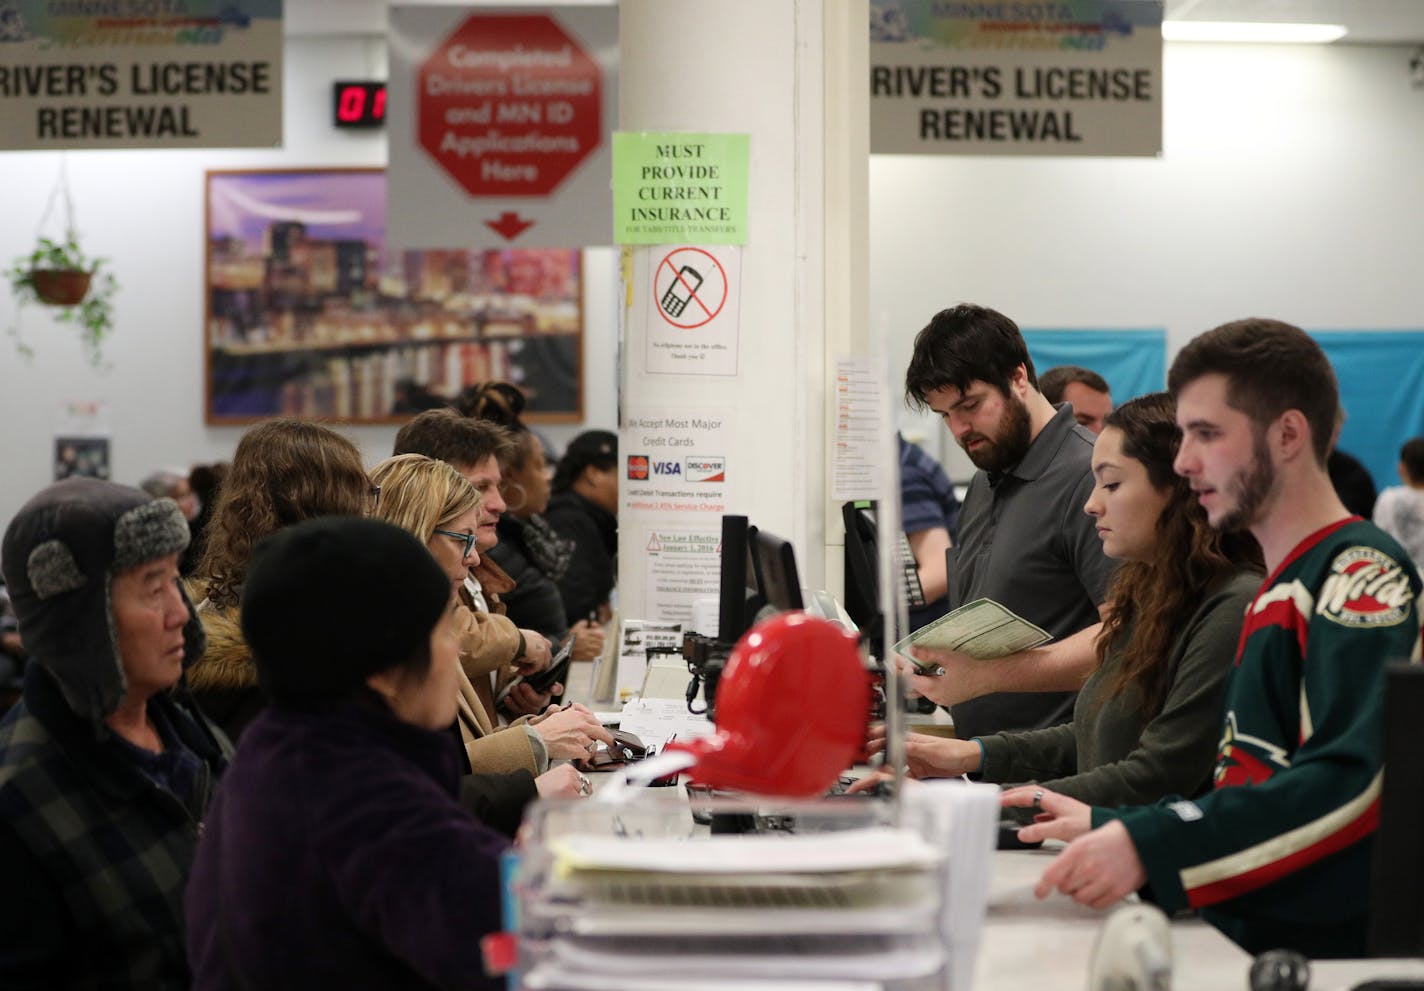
x,y
807,225
1291,185
144,210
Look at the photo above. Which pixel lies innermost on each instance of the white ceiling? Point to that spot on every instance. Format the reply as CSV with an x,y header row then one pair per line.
x,y
1369,21
363,17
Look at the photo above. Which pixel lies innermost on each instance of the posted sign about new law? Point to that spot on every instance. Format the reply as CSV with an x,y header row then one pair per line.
x,y
1082,77
680,566
140,74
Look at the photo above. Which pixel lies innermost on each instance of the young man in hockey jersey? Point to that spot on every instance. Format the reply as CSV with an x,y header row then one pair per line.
x,y
1278,853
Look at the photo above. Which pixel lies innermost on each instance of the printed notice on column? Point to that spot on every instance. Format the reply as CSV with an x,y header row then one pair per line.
x,y
678,461
855,464
682,565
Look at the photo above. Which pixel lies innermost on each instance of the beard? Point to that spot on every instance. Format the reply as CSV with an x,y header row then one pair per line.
x,y
1009,442
1249,488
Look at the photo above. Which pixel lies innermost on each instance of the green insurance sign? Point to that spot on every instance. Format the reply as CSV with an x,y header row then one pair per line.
x,y
676,188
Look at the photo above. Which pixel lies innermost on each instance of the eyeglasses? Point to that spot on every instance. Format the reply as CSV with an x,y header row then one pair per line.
x,y
468,539
375,497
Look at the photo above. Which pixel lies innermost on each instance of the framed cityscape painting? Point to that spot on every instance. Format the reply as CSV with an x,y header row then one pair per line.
x,y
308,315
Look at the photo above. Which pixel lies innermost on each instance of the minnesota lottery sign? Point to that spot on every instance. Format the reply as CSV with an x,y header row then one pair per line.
x,y
140,73
1017,77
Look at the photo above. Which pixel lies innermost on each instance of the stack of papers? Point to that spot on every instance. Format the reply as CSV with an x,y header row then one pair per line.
x,y
857,904
864,906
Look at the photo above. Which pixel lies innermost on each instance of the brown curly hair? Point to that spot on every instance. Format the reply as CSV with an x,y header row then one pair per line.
x,y
1149,602
283,472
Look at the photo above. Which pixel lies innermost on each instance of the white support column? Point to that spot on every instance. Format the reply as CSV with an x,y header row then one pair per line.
x,y
791,74
846,205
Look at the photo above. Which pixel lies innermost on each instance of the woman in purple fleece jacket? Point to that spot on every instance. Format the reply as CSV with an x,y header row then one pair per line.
x,y
335,854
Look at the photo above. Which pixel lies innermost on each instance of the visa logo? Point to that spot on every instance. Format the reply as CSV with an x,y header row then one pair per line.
x,y
667,467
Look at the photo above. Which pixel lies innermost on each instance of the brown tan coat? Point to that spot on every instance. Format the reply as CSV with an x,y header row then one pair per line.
x,y
488,645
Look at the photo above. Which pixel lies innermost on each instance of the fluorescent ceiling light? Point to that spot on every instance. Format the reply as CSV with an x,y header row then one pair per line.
x,y
1249,31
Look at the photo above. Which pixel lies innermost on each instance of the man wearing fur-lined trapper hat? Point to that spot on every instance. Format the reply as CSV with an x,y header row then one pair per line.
x,y
104,773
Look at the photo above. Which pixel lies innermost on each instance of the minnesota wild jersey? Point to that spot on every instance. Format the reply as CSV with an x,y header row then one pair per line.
x,y
1282,843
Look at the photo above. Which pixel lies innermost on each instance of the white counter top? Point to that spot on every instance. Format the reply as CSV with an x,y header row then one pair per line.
x,y
1037,945
1032,945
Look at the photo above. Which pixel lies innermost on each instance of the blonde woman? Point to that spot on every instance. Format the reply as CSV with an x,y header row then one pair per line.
x,y
286,472
438,505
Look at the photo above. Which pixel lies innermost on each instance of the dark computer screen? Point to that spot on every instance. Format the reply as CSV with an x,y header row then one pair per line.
x,y
774,563
1397,901
739,598
862,568
758,575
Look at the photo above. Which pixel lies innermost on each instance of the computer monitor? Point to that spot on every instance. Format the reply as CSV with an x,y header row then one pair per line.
x,y
862,569
739,597
774,563
758,576
1397,901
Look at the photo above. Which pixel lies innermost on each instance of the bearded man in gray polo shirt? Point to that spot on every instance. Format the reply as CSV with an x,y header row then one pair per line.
x,y
1024,540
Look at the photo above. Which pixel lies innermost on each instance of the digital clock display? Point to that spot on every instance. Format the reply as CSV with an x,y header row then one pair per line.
x,y
359,104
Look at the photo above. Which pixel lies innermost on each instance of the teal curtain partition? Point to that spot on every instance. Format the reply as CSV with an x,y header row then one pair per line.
x,y
1381,375
1133,361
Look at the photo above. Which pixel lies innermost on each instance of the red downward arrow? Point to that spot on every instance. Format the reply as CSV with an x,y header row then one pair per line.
x,y
509,225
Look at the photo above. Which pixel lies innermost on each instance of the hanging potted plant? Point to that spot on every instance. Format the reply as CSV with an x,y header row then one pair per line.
x,y
58,273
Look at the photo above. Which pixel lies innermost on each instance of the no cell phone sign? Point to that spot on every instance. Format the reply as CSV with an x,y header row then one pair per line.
x,y
689,288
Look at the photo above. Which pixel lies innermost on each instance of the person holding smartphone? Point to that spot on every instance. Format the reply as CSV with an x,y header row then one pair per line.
x,y
530,551
432,500
285,472
476,448
544,679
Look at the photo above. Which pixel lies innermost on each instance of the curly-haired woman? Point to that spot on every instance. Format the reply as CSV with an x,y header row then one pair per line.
x,y
1146,722
283,472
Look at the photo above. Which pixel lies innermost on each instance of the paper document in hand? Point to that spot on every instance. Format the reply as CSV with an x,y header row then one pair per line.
x,y
982,628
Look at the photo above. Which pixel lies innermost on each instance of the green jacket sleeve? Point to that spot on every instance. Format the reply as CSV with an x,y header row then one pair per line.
x,y
1175,750
1300,761
1031,755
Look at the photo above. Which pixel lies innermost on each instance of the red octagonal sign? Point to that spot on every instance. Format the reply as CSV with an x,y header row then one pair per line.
x,y
509,105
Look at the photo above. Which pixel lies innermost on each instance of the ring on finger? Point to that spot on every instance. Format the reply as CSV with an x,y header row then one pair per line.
x,y
1038,800
585,787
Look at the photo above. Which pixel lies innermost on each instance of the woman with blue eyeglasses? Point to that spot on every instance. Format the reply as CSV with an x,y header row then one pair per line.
x,y
436,503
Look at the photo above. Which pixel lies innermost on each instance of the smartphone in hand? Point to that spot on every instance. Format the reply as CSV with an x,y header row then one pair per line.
x,y
558,669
